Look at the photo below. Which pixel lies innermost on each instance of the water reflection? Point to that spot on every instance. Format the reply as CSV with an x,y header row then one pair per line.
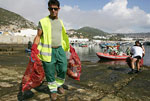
x,y
147,56
89,54
113,62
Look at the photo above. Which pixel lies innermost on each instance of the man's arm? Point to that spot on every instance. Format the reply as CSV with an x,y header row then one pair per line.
x,y
131,51
38,36
34,50
143,50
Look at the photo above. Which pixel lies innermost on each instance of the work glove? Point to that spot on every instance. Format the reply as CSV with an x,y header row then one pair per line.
x,y
34,52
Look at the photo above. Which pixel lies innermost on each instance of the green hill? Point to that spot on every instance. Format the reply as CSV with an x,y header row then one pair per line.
x,y
88,32
8,18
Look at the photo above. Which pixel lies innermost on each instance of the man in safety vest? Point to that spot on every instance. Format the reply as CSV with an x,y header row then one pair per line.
x,y
52,42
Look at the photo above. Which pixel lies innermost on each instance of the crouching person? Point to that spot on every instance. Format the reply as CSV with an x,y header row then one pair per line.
x,y
137,53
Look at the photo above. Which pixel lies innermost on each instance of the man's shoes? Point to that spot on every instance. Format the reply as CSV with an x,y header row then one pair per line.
x,y
61,90
53,96
132,71
138,71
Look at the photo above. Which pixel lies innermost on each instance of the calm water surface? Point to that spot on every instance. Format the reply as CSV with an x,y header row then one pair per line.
x,y
89,54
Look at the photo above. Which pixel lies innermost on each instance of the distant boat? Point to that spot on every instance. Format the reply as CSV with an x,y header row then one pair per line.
x,y
146,43
1,32
28,50
104,45
83,45
111,57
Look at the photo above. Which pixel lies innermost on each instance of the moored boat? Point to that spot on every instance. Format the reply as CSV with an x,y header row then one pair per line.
x,y
111,57
28,50
83,45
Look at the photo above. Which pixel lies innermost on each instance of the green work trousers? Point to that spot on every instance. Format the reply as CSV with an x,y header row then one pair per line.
x,y
55,71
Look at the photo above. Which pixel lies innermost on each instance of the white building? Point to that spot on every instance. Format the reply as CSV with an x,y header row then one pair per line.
x,y
127,39
100,37
26,32
76,40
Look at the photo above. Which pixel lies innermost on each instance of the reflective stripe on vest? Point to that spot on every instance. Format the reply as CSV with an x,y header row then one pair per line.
x,y
45,53
45,45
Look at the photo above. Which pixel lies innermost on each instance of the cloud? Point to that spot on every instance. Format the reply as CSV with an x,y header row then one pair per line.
x,y
113,17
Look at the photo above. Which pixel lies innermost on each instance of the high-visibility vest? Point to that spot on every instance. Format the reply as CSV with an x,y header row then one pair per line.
x,y
44,46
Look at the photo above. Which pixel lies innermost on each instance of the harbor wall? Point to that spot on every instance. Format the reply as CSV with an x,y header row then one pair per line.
x,y
9,39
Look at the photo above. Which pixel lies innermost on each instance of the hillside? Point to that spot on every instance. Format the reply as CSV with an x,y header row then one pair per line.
x,y
88,32
13,21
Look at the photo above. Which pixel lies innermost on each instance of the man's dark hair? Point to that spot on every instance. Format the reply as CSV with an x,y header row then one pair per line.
x,y
53,2
137,41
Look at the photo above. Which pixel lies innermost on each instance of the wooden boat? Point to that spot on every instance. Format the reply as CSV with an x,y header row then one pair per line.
x,y
111,57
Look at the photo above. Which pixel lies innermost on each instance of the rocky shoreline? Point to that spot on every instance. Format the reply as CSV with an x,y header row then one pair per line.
x,y
99,81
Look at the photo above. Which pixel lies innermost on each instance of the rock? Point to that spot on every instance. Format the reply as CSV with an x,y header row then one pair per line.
x,y
111,98
81,90
5,84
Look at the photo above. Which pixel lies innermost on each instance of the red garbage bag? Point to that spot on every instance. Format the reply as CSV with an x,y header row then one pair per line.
x,y
34,74
141,62
74,65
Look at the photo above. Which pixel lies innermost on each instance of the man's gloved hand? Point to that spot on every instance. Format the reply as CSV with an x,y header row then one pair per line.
x,y
34,52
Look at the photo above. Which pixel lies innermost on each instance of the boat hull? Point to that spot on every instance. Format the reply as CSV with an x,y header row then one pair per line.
x,y
111,57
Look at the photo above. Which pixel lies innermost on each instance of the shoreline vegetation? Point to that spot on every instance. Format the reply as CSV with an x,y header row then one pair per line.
x,y
99,82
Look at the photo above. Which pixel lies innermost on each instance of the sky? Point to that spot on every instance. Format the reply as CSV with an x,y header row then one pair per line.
x,y
112,16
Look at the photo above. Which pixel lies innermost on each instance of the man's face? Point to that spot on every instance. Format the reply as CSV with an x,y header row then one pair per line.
x,y
54,11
